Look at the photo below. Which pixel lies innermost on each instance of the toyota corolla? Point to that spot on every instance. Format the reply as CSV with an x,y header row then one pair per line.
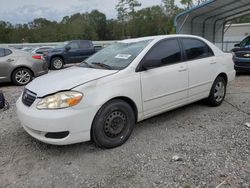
x,y
132,80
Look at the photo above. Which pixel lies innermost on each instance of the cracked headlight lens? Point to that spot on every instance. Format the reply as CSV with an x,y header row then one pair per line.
x,y
60,100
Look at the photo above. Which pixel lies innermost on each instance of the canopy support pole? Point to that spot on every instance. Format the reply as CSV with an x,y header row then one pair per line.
x,y
184,21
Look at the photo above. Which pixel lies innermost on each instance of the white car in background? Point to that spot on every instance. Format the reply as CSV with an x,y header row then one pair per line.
x,y
42,50
127,82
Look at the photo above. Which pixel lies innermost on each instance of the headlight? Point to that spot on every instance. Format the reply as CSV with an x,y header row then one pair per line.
x,y
247,55
60,100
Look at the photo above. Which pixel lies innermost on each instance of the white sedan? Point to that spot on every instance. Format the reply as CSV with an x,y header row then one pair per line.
x,y
127,82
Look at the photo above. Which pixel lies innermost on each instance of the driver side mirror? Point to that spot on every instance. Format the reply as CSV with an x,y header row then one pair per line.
x,y
237,45
150,64
67,48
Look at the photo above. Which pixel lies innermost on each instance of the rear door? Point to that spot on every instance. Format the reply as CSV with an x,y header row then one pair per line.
x,y
202,67
6,63
165,85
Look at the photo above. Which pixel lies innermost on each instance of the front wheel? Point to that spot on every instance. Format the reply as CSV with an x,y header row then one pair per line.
x,y
218,92
113,124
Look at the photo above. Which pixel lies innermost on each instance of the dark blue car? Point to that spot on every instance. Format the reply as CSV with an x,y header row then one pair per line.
x,y
69,52
242,56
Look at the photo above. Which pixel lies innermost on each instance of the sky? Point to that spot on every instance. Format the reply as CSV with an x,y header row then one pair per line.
x,y
24,11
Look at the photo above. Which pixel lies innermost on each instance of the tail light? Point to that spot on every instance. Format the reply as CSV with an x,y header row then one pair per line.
x,y
39,57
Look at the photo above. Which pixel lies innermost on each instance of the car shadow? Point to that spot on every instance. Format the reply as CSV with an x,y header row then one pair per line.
x,y
243,74
7,84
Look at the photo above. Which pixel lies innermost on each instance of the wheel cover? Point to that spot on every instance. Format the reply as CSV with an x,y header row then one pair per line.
x,y
58,64
219,91
23,77
115,124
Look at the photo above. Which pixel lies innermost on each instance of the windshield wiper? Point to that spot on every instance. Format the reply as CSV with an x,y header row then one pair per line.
x,y
102,65
88,65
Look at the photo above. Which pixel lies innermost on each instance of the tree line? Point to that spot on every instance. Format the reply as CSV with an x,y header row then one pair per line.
x,y
130,22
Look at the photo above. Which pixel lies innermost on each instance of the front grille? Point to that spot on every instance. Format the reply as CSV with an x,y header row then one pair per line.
x,y
28,97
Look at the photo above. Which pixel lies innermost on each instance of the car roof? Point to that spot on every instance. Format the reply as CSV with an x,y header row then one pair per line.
x,y
157,37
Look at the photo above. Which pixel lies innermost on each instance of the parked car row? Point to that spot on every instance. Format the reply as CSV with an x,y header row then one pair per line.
x,y
20,66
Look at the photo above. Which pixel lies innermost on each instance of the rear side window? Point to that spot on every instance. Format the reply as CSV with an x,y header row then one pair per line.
x,y
8,52
167,52
196,49
2,52
85,44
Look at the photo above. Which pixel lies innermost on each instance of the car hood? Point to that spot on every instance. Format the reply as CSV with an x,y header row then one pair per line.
x,y
66,79
241,49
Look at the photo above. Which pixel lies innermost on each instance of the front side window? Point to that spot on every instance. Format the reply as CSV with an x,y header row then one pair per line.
x,y
2,52
116,56
73,45
164,53
62,45
196,49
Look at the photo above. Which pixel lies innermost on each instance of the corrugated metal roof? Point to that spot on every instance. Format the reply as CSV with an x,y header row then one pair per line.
x,y
208,19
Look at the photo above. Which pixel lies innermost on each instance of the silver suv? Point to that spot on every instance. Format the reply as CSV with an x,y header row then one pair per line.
x,y
20,67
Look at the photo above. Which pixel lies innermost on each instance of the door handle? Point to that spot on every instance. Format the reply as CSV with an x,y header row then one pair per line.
x,y
212,63
182,69
10,60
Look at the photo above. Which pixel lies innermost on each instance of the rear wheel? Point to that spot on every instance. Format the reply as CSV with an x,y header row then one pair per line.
x,y
22,76
56,63
218,92
113,124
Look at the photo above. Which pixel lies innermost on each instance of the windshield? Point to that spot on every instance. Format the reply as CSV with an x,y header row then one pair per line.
x,y
244,42
62,45
116,56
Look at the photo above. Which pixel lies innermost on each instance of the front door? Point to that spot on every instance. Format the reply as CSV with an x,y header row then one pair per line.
x,y
164,86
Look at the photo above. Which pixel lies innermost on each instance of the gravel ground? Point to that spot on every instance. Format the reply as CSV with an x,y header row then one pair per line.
x,y
210,147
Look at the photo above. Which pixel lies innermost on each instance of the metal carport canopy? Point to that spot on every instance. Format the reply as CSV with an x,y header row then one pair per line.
x,y
208,20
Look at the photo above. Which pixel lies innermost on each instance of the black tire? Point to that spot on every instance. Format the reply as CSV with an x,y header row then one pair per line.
x,y
217,92
113,124
56,63
2,100
21,76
